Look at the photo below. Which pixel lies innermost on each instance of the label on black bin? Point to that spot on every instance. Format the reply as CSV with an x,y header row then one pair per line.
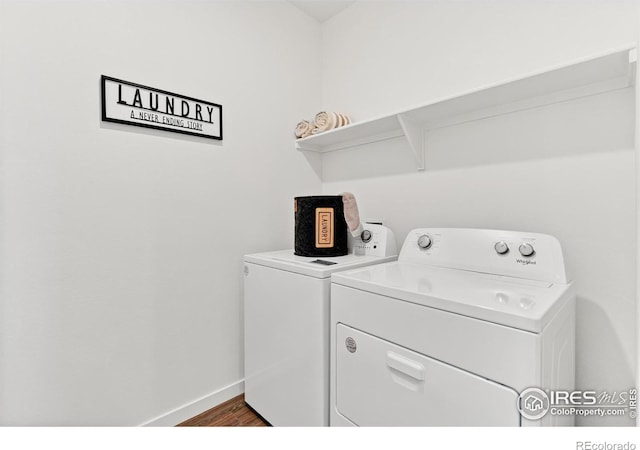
x,y
324,227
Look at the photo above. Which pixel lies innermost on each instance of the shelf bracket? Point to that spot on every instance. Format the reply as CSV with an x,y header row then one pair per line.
x,y
415,137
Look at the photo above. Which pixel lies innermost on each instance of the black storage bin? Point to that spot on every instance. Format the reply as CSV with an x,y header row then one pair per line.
x,y
320,228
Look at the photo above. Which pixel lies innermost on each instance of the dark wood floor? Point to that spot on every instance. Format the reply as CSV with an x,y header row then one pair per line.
x,y
232,413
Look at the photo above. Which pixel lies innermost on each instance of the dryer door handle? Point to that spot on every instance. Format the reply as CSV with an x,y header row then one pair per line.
x,y
405,365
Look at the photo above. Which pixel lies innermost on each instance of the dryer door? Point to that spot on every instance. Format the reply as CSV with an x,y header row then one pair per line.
x,y
382,384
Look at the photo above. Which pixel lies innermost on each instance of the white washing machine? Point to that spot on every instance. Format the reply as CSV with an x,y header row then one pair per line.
x,y
453,332
286,327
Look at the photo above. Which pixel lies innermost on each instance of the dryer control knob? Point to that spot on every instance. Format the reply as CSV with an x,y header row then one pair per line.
x,y
501,248
366,236
424,241
526,249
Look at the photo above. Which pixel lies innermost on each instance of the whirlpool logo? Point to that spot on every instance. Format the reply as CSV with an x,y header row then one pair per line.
x,y
525,262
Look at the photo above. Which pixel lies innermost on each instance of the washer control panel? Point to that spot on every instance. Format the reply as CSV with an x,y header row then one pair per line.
x,y
525,255
375,240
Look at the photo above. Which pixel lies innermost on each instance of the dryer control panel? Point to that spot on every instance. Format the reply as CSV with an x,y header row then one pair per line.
x,y
532,256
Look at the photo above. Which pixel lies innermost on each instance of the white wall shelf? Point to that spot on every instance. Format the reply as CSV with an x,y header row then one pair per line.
x,y
595,75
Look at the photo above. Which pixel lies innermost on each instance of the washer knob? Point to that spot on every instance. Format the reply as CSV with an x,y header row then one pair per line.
x,y
366,236
526,249
501,247
424,241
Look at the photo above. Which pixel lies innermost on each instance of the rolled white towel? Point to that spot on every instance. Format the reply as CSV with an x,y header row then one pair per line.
x,y
326,121
303,129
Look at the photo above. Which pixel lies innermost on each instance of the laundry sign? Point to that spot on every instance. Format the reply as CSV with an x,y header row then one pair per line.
x,y
134,104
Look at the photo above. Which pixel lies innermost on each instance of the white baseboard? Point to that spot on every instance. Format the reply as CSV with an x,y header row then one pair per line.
x,y
196,407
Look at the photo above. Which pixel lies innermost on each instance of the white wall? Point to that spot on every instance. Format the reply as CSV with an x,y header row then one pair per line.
x,y
567,170
121,248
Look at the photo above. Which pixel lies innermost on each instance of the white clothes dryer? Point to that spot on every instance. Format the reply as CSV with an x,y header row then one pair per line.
x,y
286,327
454,332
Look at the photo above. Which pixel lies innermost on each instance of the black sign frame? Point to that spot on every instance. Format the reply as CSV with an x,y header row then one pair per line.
x,y
145,124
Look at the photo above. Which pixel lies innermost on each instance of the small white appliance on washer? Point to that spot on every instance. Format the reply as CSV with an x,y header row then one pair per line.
x,y
454,332
286,327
